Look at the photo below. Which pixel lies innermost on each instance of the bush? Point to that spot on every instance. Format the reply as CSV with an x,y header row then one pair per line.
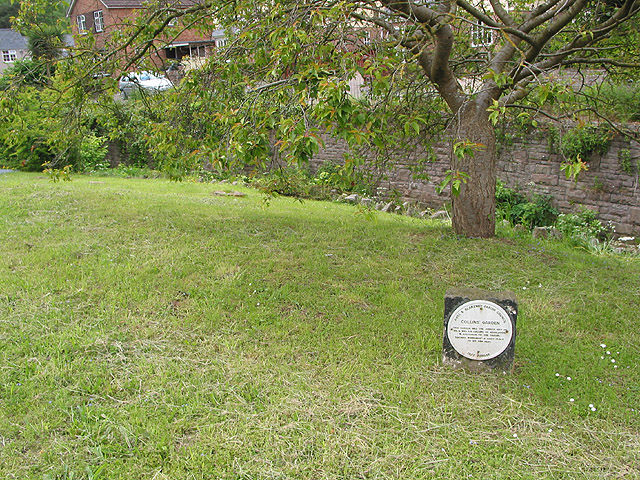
x,y
330,178
514,207
336,177
583,228
583,141
290,181
92,153
25,72
26,131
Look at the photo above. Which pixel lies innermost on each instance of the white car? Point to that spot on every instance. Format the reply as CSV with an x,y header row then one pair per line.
x,y
143,81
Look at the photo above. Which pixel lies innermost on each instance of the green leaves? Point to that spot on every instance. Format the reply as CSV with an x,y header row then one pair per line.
x,y
454,178
572,168
496,111
466,149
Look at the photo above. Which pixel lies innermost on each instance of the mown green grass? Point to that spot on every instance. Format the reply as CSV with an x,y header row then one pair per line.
x,y
153,330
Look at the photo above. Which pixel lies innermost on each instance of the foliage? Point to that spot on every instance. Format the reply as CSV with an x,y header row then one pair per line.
x,y
514,207
26,130
92,153
553,139
339,178
57,174
584,140
49,125
455,179
329,180
24,72
282,81
583,228
291,182
45,42
573,168
129,171
624,158
129,125
619,100
8,9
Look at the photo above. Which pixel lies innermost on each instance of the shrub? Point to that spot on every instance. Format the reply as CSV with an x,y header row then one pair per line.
x,y
25,72
583,228
289,181
336,177
514,207
92,153
583,141
26,131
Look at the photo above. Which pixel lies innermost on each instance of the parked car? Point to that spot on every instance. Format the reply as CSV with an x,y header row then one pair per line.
x,y
143,81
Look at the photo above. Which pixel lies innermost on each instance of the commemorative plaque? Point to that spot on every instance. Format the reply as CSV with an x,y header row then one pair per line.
x,y
479,329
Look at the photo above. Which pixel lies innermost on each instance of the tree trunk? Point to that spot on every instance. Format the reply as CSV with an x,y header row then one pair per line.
x,y
475,207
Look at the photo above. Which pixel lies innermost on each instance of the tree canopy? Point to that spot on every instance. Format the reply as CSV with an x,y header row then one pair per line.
x,y
448,67
7,10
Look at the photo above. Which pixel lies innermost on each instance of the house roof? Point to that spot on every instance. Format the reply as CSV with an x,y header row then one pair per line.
x,y
143,3
123,3
12,40
137,4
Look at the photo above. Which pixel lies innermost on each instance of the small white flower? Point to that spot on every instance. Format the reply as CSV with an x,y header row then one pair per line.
x,y
601,358
569,378
591,405
615,366
608,352
593,409
524,288
539,285
603,345
550,430
258,304
613,360
571,400
557,374
515,435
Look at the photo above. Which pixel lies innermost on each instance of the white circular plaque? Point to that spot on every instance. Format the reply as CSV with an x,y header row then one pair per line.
x,y
479,330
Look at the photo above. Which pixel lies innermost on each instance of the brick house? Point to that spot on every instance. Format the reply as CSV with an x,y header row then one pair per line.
x,y
102,17
13,46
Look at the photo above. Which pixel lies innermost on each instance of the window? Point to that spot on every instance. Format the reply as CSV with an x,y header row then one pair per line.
x,y
82,26
221,42
98,21
9,56
481,35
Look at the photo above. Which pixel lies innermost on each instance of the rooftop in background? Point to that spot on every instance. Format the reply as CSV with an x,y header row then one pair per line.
x,y
138,4
12,40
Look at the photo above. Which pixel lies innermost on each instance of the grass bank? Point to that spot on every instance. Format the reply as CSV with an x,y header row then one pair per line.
x,y
153,330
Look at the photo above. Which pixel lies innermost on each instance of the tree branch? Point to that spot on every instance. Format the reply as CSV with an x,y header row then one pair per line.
x,y
502,13
599,61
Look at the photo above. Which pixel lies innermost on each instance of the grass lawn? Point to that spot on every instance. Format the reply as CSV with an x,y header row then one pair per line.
x,y
152,330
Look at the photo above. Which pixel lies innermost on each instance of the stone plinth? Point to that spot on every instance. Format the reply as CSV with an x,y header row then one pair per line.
x,y
479,330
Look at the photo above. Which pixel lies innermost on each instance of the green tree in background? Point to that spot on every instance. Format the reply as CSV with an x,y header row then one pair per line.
x,y
7,10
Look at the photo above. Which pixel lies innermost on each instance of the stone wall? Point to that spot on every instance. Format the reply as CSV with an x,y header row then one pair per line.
x,y
530,167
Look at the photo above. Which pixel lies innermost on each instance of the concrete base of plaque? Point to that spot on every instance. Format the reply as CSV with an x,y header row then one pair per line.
x,y
479,330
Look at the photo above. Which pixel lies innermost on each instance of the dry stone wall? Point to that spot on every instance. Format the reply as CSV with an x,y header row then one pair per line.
x,y
529,166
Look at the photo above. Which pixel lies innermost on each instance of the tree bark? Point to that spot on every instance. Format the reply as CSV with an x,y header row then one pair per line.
x,y
473,210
